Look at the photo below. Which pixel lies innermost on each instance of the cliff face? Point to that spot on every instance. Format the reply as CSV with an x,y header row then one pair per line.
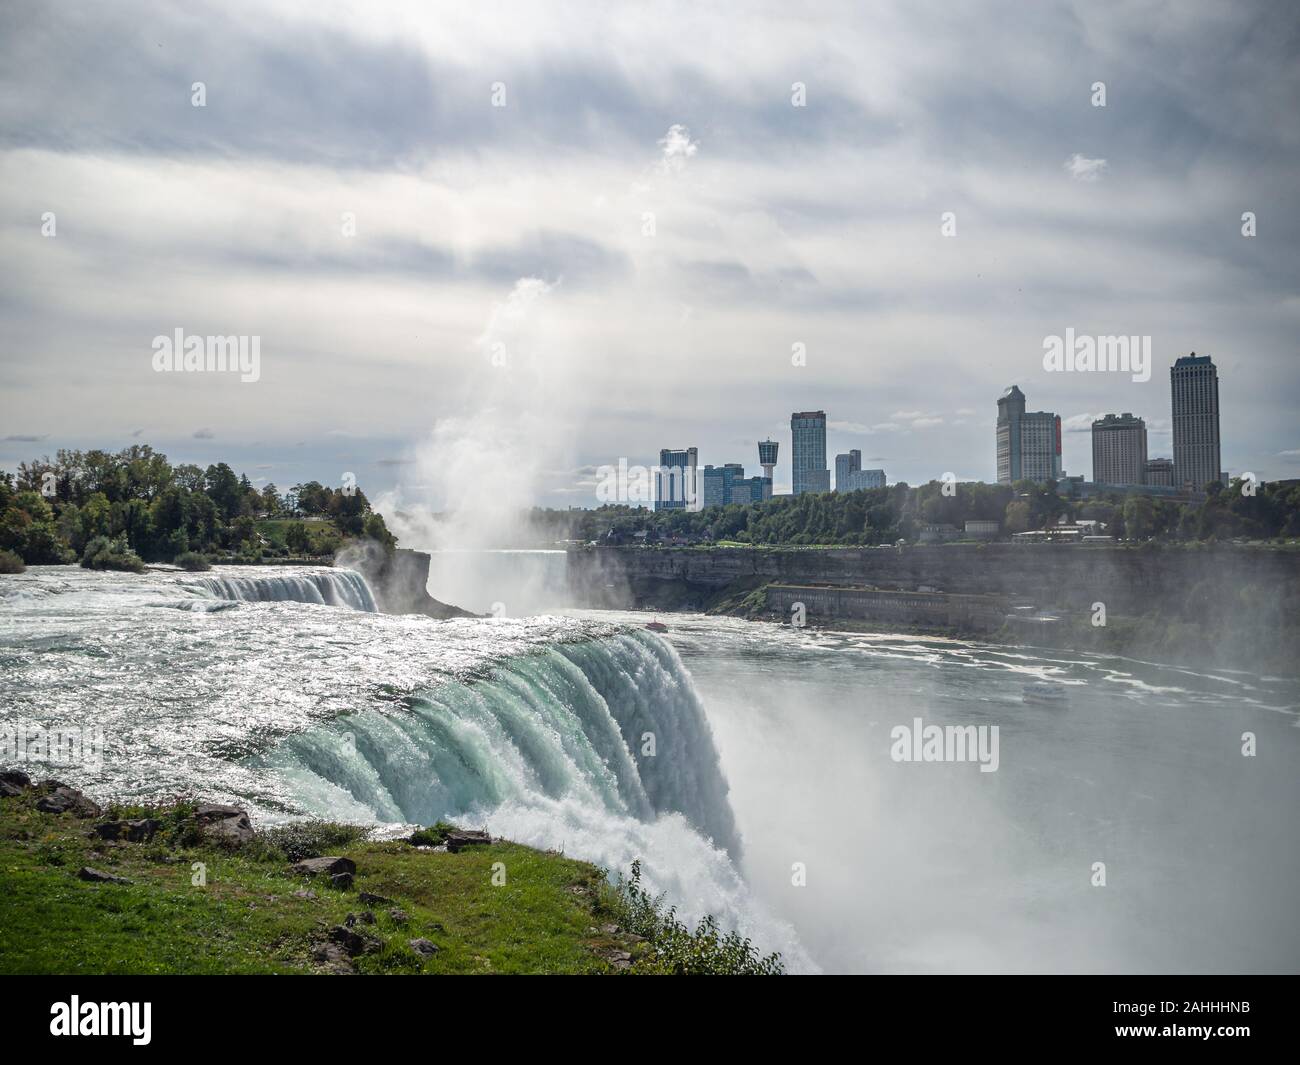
x,y
400,583
1127,580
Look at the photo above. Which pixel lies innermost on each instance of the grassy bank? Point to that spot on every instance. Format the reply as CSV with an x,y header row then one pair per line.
x,y
490,908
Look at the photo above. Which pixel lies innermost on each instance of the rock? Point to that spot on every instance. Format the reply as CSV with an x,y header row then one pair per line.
x,y
334,957
458,839
423,947
323,866
369,899
65,800
619,959
354,919
398,916
236,828
13,782
355,942
304,893
140,831
95,876
342,881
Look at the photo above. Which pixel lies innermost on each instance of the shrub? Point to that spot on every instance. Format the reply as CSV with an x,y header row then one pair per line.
x,y
10,563
311,839
678,950
433,836
103,553
192,561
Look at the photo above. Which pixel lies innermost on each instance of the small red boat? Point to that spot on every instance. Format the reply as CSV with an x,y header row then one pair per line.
x,y
656,626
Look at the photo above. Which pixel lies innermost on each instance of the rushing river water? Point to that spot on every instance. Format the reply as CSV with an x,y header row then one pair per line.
x,y
748,766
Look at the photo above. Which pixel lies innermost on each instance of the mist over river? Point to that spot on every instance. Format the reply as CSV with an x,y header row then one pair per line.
x,y
282,688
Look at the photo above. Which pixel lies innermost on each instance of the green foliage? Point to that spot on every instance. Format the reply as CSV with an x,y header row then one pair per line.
x,y
115,554
433,836
706,951
54,509
192,561
311,839
10,562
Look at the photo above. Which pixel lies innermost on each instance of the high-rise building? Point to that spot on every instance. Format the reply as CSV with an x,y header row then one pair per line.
x,y
716,483
1028,443
767,456
808,453
676,486
859,479
751,489
1194,396
1119,449
844,466
1159,472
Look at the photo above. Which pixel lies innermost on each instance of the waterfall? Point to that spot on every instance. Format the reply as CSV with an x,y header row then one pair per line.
x,y
331,587
612,726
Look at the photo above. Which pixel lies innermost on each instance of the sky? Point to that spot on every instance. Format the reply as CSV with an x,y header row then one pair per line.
x,y
489,248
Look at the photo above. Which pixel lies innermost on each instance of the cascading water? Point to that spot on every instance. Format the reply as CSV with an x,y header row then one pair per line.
x,y
612,724
335,587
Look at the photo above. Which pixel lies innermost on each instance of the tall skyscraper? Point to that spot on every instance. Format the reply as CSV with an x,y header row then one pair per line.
x,y
767,456
1194,397
1028,443
859,479
844,466
676,487
716,483
808,453
1119,449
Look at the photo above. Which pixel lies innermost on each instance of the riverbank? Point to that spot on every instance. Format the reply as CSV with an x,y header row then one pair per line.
x,y
194,888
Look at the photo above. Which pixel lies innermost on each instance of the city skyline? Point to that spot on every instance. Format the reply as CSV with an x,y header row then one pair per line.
x,y
688,251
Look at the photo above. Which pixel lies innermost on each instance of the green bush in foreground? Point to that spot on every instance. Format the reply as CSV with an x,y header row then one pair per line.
x,y
192,561
11,563
103,553
311,839
433,836
678,950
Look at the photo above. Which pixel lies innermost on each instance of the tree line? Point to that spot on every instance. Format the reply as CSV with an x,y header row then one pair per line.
x,y
899,512
52,511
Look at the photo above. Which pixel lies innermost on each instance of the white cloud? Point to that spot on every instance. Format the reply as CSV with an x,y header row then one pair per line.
x,y
1081,168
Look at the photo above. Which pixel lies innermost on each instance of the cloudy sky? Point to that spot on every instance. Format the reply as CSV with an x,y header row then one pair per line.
x,y
488,248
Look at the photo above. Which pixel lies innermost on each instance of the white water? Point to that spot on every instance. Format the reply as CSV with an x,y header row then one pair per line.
x,y
772,750
264,688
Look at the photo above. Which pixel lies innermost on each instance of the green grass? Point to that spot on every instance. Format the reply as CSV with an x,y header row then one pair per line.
x,y
543,919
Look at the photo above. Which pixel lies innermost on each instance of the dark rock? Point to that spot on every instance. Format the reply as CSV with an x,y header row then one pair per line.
x,y
236,828
458,839
354,919
424,947
13,782
10,791
65,800
140,831
342,881
398,916
95,876
370,899
323,866
355,942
